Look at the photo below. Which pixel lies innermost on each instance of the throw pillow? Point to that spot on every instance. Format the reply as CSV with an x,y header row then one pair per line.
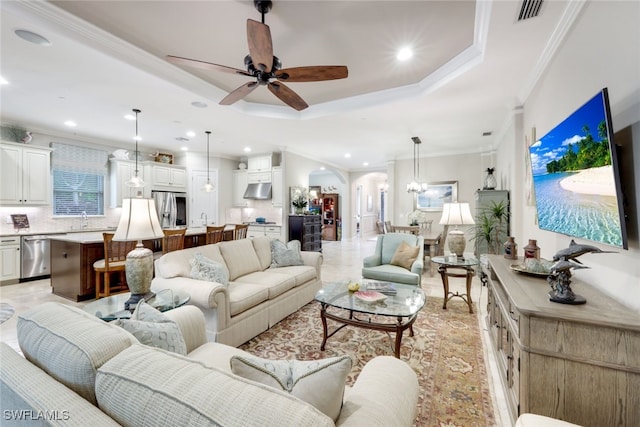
x,y
318,382
203,268
405,255
154,329
284,255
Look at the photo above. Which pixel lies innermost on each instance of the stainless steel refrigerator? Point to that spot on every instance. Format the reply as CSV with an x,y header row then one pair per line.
x,y
171,207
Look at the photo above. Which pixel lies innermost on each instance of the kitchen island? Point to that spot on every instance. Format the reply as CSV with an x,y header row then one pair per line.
x,y
73,255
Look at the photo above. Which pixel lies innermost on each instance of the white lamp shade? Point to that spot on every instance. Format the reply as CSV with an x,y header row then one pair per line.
x,y
456,214
139,221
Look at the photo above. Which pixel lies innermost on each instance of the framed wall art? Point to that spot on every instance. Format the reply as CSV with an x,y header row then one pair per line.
x,y
437,194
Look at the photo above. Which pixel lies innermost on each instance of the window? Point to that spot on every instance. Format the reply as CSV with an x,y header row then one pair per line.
x,y
78,180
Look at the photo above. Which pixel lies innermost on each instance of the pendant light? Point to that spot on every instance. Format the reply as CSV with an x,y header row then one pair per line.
x,y
415,186
208,187
136,181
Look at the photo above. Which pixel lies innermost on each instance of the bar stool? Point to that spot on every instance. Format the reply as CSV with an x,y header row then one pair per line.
x,y
115,255
215,234
173,240
240,231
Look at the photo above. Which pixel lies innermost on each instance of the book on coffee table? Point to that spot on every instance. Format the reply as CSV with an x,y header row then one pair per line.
x,y
382,287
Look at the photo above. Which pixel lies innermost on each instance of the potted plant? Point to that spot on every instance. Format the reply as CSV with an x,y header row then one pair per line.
x,y
300,199
490,225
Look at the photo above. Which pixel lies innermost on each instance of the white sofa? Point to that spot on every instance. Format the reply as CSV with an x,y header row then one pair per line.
x,y
82,371
257,296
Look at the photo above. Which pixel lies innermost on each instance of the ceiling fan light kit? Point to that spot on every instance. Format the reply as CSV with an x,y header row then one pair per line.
x,y
261,64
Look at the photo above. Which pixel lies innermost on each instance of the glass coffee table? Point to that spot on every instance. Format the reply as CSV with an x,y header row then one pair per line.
x,y
112,307
352,310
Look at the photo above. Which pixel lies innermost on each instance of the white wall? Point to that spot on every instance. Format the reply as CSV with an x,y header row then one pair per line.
x,y
601,50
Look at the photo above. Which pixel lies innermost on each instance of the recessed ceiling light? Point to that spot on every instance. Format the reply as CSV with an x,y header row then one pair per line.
x,y
32,37
404,54
347,155
130,117
70,123
322,168
365,164
247,149
199,104
185,148
191,134
3,81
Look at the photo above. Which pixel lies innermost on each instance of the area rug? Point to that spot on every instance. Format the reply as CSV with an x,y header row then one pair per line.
x,y
445,352
6,311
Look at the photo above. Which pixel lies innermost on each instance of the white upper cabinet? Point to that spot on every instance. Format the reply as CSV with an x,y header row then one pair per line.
x,y
26,175
239,187
260,163
167,177
121,171
276,186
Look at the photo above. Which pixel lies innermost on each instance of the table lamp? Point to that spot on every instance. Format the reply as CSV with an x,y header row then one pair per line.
x,y
456,214
139,221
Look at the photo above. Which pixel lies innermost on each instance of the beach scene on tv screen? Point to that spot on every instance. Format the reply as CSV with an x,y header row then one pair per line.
x,y
573,177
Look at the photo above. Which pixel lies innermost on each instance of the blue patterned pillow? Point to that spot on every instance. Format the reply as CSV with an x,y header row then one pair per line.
x,y
284,255
154,329
203,268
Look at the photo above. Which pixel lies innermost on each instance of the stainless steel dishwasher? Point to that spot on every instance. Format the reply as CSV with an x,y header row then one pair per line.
x,y
36,257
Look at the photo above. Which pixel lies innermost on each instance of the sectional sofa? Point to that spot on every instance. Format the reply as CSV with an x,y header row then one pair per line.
x,y
257,296
79,371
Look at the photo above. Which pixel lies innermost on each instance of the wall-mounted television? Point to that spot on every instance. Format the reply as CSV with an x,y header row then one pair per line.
x,y
576,177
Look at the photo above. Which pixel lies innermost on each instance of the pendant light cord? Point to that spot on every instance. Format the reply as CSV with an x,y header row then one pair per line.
x,y
208,133
135,110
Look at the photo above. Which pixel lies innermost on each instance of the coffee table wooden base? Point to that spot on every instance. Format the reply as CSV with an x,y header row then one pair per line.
x,y
399,327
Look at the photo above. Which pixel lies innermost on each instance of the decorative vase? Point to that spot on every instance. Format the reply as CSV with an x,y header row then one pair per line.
x,y
490,180
510,248
299,211
532,250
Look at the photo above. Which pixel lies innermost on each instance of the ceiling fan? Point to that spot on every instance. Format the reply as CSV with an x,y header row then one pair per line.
x,y
265,67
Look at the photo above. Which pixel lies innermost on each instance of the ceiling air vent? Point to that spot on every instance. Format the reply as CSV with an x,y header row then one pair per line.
x,y
529,9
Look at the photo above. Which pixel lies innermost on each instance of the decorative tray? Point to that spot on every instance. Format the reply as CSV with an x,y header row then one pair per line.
x,y
522,269
370,296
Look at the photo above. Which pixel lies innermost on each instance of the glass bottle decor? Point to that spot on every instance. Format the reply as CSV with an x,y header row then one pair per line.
x,y
532,250
510,248
490,180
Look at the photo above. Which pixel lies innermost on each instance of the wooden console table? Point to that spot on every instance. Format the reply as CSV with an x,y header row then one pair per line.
x,y
578,363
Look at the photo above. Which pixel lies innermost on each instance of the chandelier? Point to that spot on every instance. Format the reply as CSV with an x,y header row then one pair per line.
x,y
416,186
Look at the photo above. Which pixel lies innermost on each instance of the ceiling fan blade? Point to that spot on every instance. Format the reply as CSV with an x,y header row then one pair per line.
x,y
313,73
287,96
260,45
239,93
205,65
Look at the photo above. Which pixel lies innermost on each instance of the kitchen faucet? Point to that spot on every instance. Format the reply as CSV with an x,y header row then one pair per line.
x,y
203,215
84,221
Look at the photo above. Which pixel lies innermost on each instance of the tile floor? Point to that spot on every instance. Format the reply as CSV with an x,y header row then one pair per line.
x,y
341,259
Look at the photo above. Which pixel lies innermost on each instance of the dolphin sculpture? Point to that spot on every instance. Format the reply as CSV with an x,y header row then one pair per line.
x,y
575,250
564,265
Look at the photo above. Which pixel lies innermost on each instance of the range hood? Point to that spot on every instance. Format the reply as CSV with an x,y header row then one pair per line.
x,y
258,191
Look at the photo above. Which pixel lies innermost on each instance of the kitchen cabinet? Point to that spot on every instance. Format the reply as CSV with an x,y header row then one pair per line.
x,y
577,363
276,187
239,187
167,177
265,230
10,259
306,229
258,177
260,163
120,172
26,175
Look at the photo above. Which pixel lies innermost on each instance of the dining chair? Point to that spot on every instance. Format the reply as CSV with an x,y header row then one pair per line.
x,y
215,234
240,232
115,255
410,229
173,240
